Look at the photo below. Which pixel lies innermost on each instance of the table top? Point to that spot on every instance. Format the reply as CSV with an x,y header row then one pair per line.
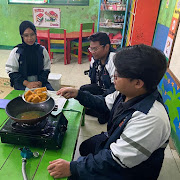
x,y
70,35
36,168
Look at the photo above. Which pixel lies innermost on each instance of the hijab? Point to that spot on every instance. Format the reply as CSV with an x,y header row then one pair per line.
x,y
30,51
24,25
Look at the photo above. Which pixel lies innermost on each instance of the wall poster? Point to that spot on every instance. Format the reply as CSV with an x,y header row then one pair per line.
x,y
46,17
172,30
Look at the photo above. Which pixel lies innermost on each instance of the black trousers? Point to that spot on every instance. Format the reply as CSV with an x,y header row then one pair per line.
x,y
92,88
95,90
92,144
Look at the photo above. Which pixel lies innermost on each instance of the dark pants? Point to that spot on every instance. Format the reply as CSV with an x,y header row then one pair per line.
x,y
92,144
95,90
147,170
92,88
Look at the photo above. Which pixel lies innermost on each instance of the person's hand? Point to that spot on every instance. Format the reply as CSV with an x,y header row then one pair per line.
x,y
39,84
31,85
68,92
59,168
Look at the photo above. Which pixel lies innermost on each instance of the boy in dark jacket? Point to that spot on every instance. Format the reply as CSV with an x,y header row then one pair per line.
x,y
101,71
101,67
138,128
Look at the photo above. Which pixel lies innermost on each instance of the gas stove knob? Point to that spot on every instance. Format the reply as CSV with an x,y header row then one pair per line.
x,y
35,154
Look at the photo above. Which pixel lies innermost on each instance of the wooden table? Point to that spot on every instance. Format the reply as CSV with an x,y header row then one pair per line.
x,y
69,37
36,168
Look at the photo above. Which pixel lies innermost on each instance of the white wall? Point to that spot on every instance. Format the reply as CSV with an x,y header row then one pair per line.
x,y
175,58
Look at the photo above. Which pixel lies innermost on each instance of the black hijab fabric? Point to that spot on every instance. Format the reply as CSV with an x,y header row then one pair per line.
x,y
24,25
30,51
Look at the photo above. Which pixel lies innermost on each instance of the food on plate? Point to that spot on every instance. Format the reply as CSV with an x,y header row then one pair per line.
x,y
40,90
28,93
37,95
29,98
36,99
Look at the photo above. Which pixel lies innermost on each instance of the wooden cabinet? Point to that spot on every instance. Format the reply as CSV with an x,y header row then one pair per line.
x,y
141,22
112,19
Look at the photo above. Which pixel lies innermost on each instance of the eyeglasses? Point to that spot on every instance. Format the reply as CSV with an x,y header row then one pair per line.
x,y
116,75
32,35
94,49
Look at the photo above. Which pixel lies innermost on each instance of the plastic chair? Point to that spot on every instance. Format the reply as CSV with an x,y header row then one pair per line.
x,y
82,42
45,41
57,45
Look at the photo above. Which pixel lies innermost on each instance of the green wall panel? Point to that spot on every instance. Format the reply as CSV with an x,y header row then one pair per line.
x,y
165,14
13,14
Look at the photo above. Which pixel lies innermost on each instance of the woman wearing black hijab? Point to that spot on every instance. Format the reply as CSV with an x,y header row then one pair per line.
x,y
28,65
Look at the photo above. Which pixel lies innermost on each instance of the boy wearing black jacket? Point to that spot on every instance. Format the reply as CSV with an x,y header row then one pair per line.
x,y
138,127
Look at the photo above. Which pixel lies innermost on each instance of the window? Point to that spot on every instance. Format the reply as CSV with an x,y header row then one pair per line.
x,y
51,2
27,1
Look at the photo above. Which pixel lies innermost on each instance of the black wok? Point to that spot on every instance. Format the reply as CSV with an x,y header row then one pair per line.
x,y
17,106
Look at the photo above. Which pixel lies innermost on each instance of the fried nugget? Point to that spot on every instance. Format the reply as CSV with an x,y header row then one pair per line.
x,y
43,89
43,99
28,93
36,99
29,98
40,90
42,95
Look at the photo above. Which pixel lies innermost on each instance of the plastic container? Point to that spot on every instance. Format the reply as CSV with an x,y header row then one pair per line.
x,y
55,80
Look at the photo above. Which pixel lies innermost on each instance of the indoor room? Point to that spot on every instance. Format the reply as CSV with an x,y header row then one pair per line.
x,y
70,92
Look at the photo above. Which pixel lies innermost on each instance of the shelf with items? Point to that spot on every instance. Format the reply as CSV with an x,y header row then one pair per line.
x,y
111,19
111,25
113,5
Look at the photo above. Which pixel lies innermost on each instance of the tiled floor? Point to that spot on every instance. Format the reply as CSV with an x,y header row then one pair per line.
x,y
72,74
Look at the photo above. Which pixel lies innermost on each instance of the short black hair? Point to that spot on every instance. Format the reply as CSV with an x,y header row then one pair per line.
x,y
141,62
102,37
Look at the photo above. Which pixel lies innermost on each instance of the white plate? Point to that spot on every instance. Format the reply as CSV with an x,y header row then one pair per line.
x,y
48,96
59,101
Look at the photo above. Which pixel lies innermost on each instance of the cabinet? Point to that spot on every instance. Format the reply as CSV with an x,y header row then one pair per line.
x,y
112,19
141,22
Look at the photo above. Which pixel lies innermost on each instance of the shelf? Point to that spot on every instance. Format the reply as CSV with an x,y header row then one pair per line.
x,y
110,13
113,26
113,7
106,10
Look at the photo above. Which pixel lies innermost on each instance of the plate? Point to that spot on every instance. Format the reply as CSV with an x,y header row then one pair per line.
x,y
33,89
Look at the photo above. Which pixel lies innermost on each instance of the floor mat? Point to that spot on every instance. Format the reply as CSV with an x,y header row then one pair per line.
x,y
5,87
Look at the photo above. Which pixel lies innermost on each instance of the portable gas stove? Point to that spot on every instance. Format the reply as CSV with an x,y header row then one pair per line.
x,y
48,133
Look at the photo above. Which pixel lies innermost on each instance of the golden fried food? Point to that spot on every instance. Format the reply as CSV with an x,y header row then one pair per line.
x,y
36,96
43,100
40,90
36,99
28,93
29,98
42,95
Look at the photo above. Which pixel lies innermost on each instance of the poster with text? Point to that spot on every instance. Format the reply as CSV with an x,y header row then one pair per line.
x,y
172,30
46,17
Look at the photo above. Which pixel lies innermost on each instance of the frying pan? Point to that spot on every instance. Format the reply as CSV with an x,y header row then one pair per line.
x,y
17,106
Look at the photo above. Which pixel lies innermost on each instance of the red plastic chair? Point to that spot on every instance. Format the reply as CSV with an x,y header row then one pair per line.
x,y
44,41
82,42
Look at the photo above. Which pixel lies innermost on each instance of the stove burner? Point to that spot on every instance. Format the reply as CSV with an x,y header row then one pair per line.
x,y
44,127
47,134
